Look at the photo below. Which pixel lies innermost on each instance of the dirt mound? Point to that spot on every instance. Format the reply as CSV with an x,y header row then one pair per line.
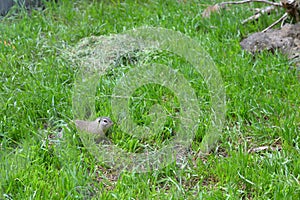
x,y
285,39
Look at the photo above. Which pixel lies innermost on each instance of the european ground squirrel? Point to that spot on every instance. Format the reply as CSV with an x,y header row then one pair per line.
x,y
99,126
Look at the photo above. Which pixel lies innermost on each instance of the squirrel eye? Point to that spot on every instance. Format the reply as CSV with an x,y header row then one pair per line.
x,y
105,120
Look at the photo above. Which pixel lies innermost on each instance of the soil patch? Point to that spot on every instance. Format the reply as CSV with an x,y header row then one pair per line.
x,y
285,39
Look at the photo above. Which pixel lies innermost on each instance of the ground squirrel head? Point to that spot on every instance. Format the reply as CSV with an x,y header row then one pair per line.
x,y
105,123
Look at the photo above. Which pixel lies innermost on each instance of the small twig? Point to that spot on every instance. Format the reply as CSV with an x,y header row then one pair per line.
x,y
282,22
217,7
276,22
258,14
249,1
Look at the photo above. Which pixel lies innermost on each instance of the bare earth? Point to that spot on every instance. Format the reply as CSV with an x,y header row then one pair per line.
x,y
285,39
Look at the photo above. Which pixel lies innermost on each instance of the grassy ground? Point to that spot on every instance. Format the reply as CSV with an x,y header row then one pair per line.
x,y
262,95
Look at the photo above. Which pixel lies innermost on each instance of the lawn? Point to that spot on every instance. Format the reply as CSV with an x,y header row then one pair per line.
x,y
38,80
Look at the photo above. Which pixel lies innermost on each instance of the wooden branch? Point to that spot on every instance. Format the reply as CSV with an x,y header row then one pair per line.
x,y
276,22
217,7
292,9
258,14
249,1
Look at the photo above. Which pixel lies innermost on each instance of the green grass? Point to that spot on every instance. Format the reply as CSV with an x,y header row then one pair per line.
x,y
37,81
